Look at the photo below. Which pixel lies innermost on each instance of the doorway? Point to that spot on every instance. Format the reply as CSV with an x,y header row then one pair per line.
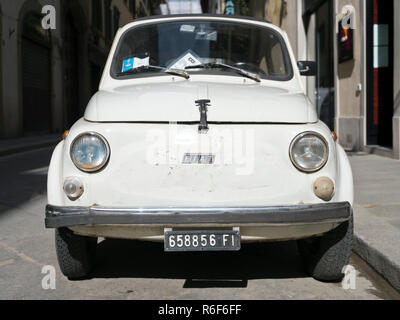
x,y
324,48
71,71
380,63
36,76
319,22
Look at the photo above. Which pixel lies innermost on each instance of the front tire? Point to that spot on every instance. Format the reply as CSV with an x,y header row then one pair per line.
x,y
76,254
324,258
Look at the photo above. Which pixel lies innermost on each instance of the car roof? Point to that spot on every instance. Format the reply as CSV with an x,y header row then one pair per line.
x,y
201,15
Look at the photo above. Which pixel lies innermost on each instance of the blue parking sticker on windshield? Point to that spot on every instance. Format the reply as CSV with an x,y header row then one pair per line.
x,y
128,64
138,61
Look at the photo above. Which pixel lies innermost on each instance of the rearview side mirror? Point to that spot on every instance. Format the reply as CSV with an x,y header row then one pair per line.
x,y
307,68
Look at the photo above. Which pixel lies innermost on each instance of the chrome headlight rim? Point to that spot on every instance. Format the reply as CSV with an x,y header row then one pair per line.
x,y
108,151
301,136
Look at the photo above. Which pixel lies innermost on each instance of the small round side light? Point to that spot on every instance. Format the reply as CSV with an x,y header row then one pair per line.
x,y
335,136
324,188
73,188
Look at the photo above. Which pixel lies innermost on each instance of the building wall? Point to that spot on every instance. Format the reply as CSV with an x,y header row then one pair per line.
x,y
349,108
93,50
396,104
350,77
284,15
292,23
126,14
258,8
10,15
290,26
276,12
1,75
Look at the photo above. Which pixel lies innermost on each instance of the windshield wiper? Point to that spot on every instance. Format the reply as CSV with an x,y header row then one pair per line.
x,y
214,65
177,72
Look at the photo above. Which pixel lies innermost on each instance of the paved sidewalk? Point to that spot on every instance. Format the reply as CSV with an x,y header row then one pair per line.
x,y
11,146
377,213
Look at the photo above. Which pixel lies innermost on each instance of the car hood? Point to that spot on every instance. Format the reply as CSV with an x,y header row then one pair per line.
x,y
176,102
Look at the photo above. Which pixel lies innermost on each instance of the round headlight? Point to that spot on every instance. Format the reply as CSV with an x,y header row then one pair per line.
x,y
309,152
90,152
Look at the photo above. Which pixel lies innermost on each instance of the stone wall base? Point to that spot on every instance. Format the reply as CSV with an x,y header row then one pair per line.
x,y
350,133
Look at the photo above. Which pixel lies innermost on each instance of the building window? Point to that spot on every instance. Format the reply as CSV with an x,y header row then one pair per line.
x,y
381,45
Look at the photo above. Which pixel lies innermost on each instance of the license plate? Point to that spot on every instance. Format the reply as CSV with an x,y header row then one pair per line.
x,y
219,240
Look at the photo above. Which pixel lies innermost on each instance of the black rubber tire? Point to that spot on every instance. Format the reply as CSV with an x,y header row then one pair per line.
x,y
325,257
76,254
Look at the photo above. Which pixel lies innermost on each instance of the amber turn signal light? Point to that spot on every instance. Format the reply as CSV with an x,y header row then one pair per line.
x,y
65,134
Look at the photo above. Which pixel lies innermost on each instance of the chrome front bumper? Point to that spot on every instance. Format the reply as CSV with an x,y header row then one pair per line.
x,y
58,217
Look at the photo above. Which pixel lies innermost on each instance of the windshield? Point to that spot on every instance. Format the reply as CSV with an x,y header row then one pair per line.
x,y
181,45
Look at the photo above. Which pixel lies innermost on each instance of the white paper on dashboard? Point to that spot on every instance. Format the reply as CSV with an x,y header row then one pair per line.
x,y
188,59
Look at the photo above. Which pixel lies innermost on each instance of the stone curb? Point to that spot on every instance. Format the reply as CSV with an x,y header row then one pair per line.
x,y
377,243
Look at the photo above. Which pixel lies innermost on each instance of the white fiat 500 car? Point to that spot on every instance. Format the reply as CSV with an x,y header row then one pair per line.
x,y
201,137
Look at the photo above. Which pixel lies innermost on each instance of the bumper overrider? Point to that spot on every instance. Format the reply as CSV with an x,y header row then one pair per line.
x,y
59,217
